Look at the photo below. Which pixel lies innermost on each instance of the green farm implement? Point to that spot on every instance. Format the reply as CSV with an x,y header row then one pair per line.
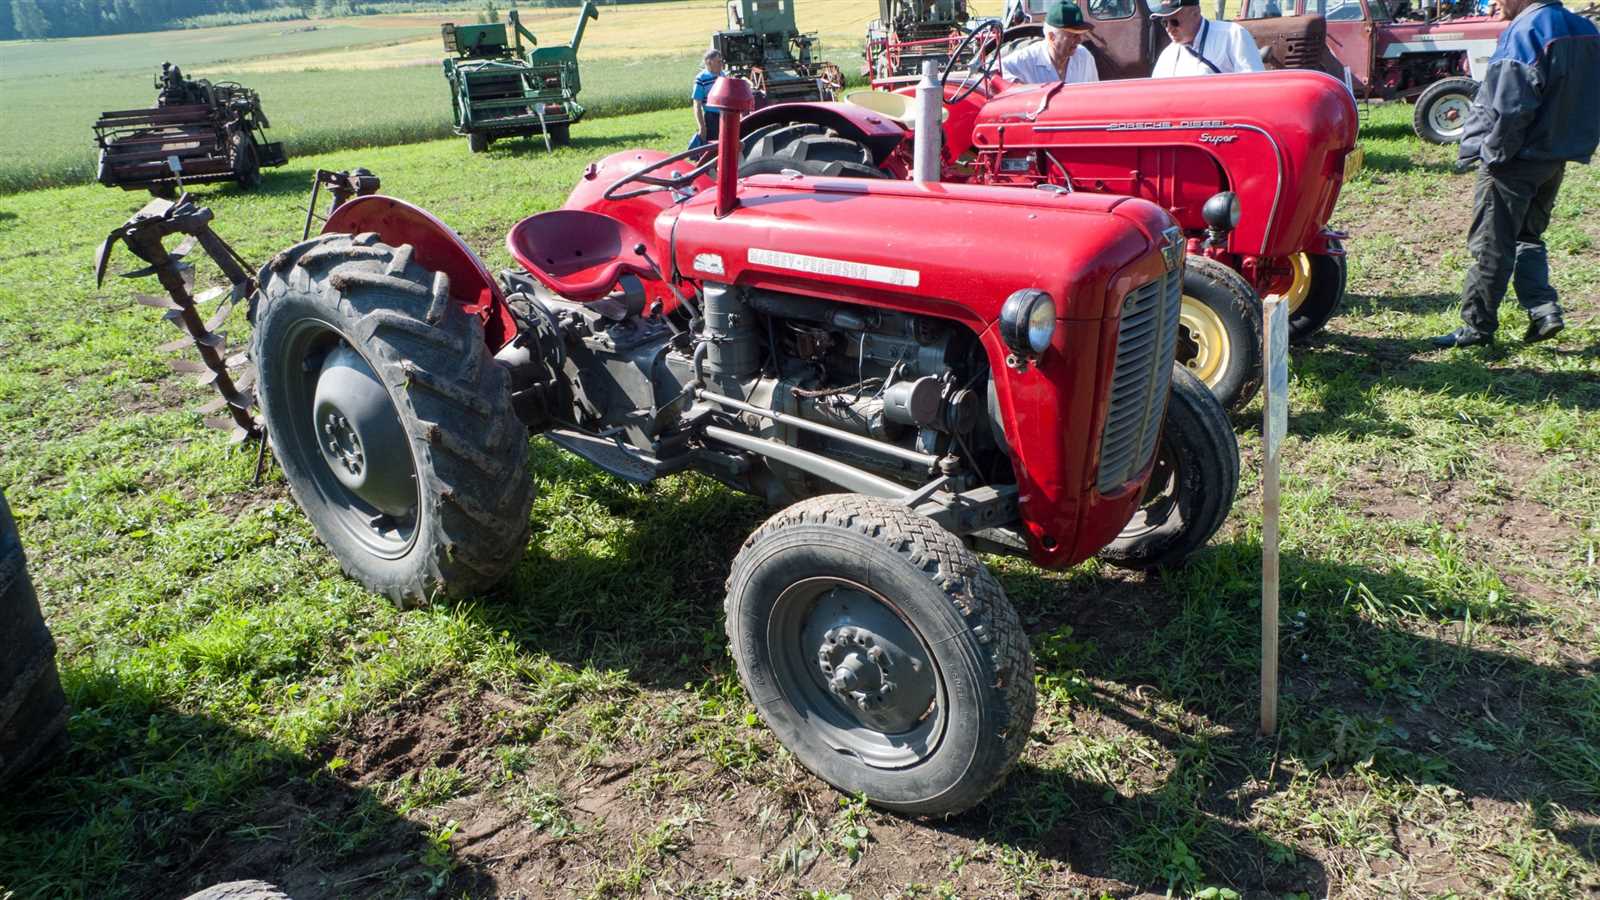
x,y
764,46
197,132
497,89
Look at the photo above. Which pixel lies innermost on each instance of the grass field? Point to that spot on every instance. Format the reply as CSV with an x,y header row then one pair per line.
x,y
243,710
355,82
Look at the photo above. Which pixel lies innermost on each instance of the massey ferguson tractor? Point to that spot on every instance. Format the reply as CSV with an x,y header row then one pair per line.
x,y
1251,179
836,346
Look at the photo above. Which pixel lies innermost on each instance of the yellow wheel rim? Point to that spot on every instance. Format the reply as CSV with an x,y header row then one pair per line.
x,y
1300,287
1203,344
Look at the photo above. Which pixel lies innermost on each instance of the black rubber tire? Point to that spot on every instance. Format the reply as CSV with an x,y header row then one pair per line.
x,y
469,449
1238,311
806,148
240,890
1436,93
1198,443
560,135
33,709
940,588
477,141
1328,277
247,166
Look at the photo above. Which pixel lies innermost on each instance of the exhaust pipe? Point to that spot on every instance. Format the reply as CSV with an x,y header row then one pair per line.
x,y
930,134
733,97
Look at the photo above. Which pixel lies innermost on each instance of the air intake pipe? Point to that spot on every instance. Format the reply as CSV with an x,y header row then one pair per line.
x,y
733,97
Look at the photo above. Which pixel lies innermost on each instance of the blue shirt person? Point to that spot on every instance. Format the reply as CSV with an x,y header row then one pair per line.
x,y
707,119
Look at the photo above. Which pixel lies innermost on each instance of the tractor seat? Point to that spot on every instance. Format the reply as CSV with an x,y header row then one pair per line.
x,y
577,253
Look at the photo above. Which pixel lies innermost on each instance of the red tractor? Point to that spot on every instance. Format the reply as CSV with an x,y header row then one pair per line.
x,y
1252,180
835,346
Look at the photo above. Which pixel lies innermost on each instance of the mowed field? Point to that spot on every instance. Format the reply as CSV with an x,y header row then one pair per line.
x,y
354,82
240,709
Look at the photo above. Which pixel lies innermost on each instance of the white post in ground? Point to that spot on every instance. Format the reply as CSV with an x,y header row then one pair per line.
x,y
925,121
1274,424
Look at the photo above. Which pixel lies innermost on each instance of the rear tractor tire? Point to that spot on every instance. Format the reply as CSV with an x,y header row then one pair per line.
x,y
808,149
477,141
1316,293
392,422
1192,488
1219,331
33,709
882,653
1441,113
246,164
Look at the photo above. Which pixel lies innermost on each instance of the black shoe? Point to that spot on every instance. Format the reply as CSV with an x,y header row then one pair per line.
x,y
1543,328
1462,337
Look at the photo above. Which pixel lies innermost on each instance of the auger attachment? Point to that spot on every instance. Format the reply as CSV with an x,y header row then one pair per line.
x,y
144,234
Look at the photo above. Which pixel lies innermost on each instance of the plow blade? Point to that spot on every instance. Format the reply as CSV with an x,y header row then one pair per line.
x,y
144,234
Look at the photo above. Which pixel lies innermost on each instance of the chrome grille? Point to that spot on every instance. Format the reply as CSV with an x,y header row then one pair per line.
x,y
1147,336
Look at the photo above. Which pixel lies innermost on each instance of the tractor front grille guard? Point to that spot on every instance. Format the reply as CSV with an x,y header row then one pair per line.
x,y
1147,334
145,235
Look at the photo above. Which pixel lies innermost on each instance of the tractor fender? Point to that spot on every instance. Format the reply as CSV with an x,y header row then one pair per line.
x,y
435,246
878,133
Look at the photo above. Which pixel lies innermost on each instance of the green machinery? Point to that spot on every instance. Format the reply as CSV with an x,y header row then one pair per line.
x,y
497,90
764,45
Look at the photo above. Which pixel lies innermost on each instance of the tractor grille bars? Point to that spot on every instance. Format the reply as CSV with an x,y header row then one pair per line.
x,y
1146,340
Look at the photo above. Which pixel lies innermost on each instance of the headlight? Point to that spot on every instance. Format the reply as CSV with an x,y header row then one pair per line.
x,y
1028,321
1221,211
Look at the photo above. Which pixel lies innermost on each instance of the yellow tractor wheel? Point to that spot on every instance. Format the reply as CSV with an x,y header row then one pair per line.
x,y
1219,331
1316,292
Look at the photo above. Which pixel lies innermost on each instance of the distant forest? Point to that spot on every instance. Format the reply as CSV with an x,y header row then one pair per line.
x,y
33,19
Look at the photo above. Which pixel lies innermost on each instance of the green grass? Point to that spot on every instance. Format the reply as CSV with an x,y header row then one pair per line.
x,y
243,710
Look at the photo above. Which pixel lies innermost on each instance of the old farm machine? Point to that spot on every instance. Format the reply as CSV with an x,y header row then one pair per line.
x,y
764,45
197,132
908,32
499,89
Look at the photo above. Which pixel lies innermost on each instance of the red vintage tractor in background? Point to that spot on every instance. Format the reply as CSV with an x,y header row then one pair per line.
x,y
1250,166
834,346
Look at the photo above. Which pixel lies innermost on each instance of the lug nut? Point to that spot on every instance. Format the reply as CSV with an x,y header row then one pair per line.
x,y
886,689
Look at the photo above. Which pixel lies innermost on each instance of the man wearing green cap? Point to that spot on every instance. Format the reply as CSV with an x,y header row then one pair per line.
x,y
1061,56
1199,45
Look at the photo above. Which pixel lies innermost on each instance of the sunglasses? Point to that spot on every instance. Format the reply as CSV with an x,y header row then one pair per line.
x,y
1169,22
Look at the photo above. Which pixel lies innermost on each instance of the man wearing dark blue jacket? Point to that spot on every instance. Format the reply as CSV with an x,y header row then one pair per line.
x,y
1537,109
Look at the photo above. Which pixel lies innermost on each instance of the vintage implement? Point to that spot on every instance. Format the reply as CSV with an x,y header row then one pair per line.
x,y
498,90
214,132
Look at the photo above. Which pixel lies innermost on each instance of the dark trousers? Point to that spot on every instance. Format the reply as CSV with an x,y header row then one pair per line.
x,y
1511,207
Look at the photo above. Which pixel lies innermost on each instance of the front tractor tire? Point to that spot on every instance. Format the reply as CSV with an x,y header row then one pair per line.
x,y
392,422
1219,331
882,653
1441,113
1192,488
1316,293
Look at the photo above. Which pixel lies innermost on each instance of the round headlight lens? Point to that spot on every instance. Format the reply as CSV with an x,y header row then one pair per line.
x,y
1028,321
1041,324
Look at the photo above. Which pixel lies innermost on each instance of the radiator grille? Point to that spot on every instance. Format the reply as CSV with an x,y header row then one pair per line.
x,y
1147,335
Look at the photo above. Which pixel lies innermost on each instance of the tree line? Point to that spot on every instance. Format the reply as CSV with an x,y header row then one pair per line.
x,y
35,19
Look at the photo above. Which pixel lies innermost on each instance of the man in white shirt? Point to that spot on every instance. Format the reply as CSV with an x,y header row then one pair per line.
x,y
1060,57
1199,45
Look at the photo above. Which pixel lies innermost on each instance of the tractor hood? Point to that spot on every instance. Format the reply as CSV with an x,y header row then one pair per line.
x,y
1278,139
1475,36
951,250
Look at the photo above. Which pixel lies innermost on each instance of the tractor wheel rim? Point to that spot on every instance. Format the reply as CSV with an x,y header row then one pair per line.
x,y
1449,114
1203,345
861,677
344,430
1300,285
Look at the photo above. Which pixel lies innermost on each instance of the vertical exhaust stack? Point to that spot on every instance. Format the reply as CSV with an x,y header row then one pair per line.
x,y
930,133
733,97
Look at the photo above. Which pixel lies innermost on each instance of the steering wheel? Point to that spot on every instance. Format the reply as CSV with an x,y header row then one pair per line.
x,y
655,183
985,68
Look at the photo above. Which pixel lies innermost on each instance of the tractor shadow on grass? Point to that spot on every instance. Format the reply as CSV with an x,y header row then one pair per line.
x,y
624,578
152,801
1342,371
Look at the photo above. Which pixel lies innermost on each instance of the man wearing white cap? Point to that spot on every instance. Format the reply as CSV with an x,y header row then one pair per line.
x,y
1061,56
1199,45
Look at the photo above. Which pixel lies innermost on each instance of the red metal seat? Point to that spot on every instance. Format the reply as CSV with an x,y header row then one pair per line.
x,y
577,253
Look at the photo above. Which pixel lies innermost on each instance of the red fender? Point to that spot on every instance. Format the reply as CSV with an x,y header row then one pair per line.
x,y
434,246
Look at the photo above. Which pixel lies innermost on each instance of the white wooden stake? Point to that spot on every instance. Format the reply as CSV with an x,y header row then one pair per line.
x,y
1275,423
